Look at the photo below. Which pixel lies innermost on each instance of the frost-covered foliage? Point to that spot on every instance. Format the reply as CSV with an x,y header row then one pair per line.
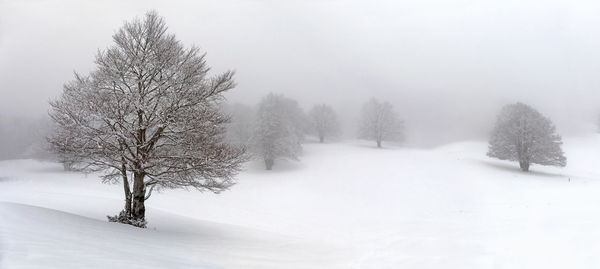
x,y
240,125
523,134
324,122
126,218
278,129
380,123
148,109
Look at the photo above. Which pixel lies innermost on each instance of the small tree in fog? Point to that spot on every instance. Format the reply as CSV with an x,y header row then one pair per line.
x,y
241,124
278,129
380,123
324,122
522,134
148,109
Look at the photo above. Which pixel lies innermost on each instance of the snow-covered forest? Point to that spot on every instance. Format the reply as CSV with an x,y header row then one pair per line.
x,y
338,134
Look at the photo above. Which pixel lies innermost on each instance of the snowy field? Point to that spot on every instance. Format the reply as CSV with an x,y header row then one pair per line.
x,y
344,205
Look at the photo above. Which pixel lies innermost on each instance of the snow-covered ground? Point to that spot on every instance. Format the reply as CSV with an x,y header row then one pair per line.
x,y
345,205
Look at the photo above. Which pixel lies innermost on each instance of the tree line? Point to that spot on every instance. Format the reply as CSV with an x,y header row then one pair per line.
x,y
277,127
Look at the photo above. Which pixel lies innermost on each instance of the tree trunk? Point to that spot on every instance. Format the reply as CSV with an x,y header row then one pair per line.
x,y
127,192
139,194
126,189
378,143
524,165
269,163
67,166
321,139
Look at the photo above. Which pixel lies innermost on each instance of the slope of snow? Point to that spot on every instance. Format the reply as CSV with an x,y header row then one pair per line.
x,y
37,237
346,205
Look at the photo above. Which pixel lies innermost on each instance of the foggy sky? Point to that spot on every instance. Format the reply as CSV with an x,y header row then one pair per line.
x,y
447,66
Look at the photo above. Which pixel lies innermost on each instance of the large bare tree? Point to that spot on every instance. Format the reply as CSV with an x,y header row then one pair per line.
x,y
149,110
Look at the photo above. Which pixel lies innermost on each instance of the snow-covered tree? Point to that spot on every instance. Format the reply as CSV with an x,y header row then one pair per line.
x,y
523,134
150,110
324,122
380,123
277,130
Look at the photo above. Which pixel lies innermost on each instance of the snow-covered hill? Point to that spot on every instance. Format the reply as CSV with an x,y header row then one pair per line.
x,y
345,205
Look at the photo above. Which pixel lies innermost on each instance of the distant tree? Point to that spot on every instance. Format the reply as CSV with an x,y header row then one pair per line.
x,y
241,124
22,137
522,134
150,109
380,123
324,122
278,129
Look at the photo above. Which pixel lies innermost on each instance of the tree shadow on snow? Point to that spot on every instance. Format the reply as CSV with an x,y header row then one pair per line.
x,y
514,168
372,145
